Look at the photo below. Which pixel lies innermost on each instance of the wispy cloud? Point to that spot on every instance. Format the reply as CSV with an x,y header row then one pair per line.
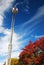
x,y
24,6
29,28
18,3
35,20
38,14
37,36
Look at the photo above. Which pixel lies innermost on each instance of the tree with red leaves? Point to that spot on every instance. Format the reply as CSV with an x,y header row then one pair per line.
x,y
33,53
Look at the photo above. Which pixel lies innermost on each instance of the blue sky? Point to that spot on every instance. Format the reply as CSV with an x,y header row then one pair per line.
x,y
28,25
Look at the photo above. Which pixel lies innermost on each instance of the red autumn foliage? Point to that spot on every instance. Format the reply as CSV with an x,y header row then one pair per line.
x,y
33,53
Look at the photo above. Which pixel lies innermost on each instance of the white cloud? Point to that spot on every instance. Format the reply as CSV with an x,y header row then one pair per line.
x,y
1,18
1,63
4,5
4,41
15,54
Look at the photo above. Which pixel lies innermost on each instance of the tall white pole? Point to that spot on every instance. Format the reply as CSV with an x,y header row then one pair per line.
x,y
14,11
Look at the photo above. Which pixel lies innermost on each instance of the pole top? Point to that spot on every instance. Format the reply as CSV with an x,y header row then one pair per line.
x,y
14,10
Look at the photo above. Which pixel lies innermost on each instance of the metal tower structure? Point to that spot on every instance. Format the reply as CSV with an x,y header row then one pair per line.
x,y
14,12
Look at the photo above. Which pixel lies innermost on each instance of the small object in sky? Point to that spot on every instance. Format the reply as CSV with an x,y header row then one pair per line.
x,y
15,10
